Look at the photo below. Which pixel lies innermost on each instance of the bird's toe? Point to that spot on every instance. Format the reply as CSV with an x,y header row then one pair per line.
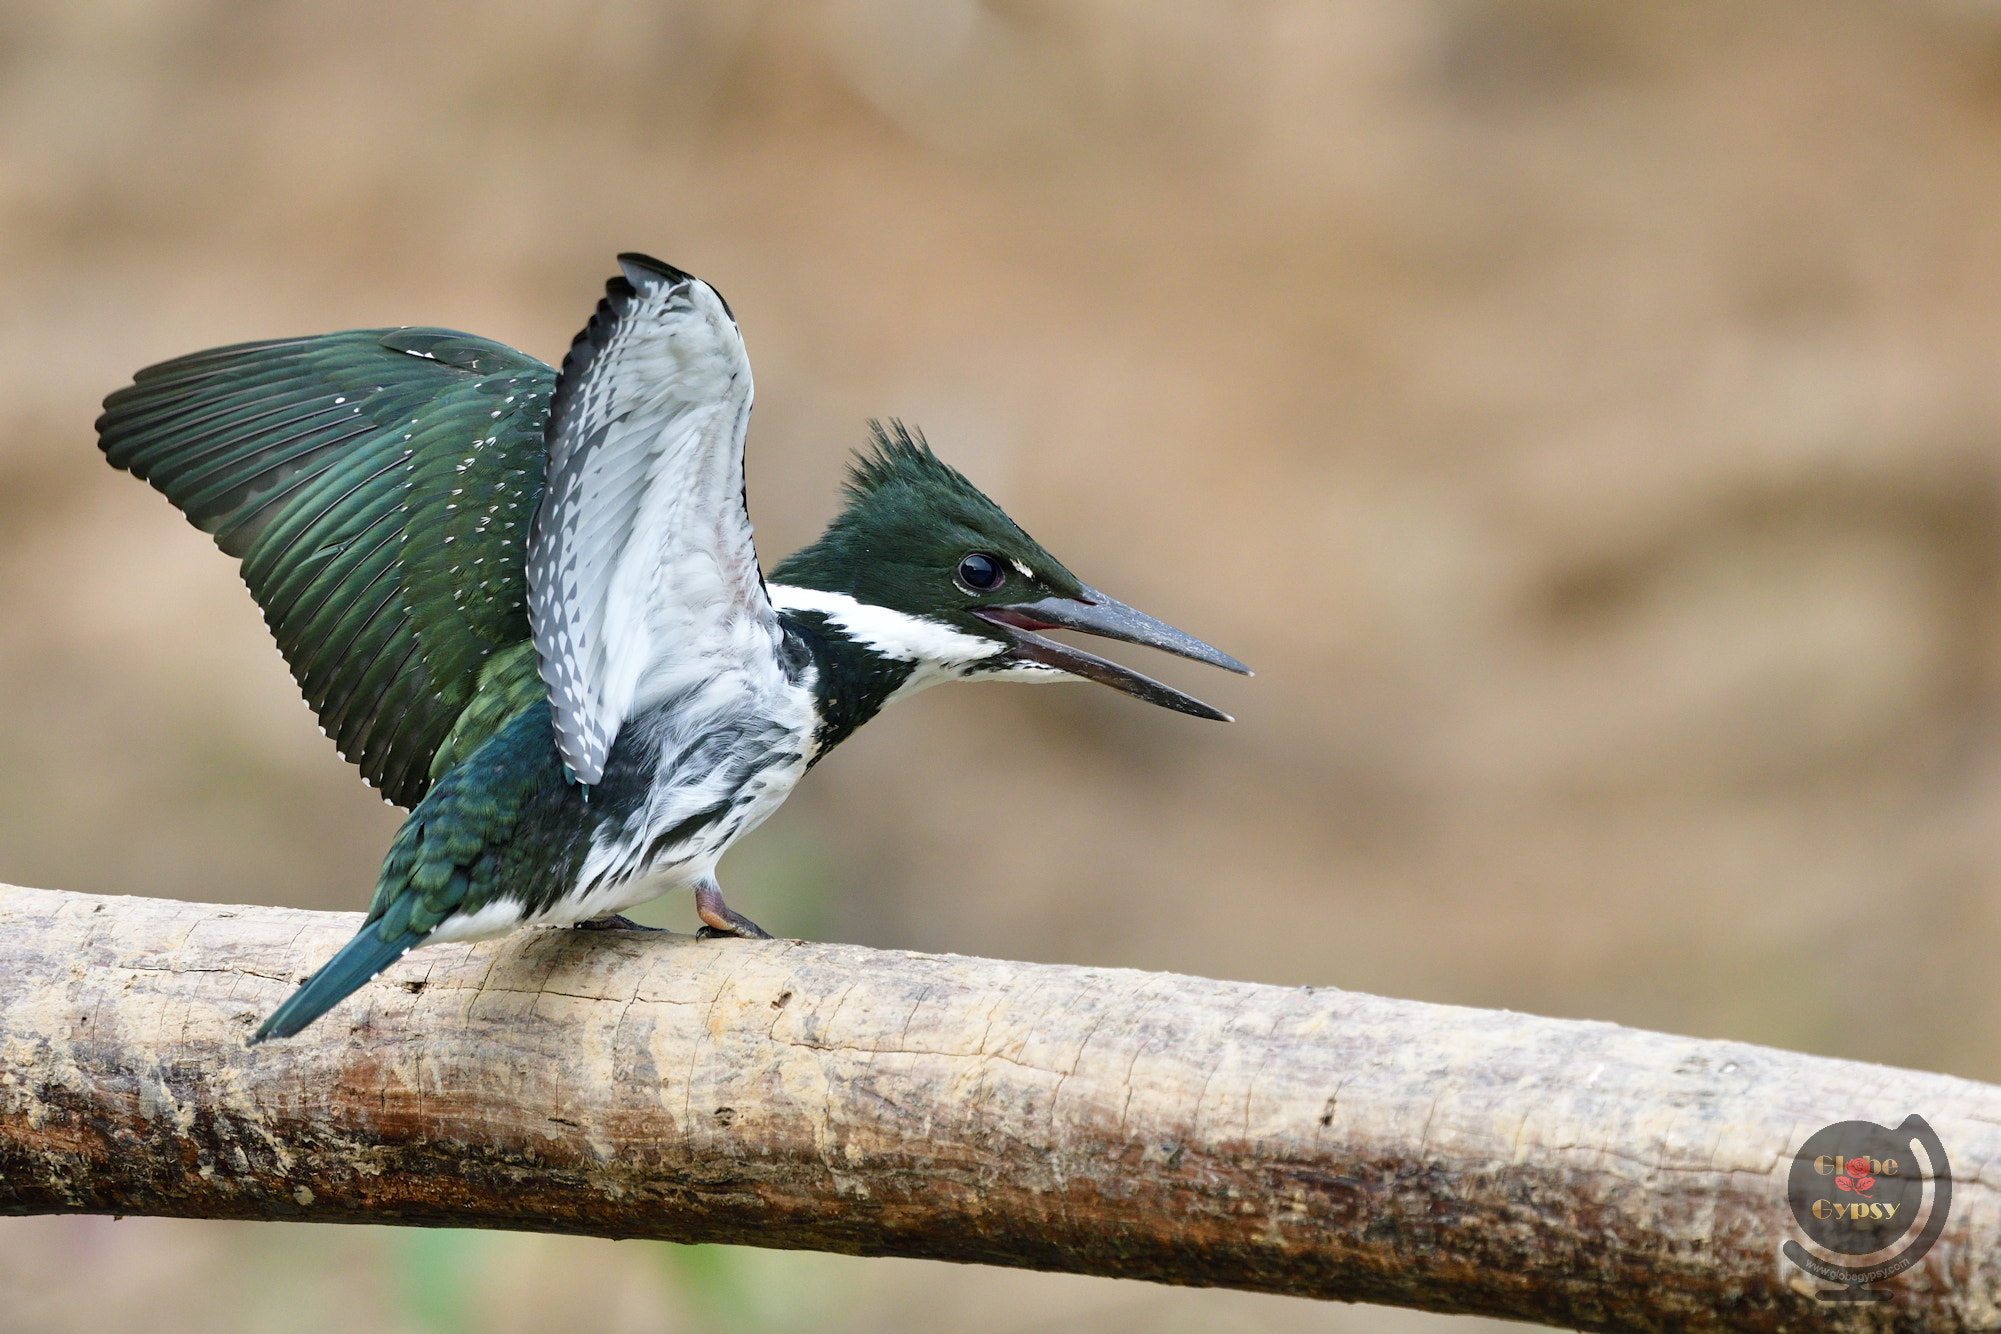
x,y
616,922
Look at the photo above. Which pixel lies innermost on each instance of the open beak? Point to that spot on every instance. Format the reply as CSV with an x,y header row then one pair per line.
x,y
1095,614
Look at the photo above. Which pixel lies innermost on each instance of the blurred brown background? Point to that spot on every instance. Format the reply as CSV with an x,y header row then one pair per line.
x,y
1584,416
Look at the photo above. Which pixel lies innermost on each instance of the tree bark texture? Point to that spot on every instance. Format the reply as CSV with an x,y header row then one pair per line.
x,y
1095,1120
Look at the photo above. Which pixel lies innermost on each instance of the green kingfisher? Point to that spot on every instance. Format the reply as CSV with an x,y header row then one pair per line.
x,y
525,603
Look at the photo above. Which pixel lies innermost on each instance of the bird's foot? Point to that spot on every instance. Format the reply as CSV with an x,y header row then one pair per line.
x,y
719,919
615,922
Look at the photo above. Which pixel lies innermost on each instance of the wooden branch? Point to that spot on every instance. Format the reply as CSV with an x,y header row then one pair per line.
x,y
1100,1121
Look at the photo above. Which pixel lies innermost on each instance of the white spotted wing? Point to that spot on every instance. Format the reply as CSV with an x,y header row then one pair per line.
x,y
642,578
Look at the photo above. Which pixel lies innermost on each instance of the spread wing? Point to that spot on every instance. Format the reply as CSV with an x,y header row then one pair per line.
x,y
642,579
378,487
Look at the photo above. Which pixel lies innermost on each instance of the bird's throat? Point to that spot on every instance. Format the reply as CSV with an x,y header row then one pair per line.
x,y
851,681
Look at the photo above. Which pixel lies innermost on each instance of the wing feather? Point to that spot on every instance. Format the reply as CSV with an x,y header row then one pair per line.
x,y
367,729
642,575
305,458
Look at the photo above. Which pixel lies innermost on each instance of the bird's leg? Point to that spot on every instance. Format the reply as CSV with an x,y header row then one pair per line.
x,y
720,919
615,922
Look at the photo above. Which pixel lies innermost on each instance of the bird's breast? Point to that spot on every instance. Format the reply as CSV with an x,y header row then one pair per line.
x,y
688,777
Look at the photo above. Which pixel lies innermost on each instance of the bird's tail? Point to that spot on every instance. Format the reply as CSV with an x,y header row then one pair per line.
x,y
358,961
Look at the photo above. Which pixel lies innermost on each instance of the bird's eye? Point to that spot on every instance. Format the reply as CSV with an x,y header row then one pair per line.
x,y
981,573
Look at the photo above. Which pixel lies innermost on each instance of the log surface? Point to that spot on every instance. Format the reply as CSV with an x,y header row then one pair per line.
x,y
627,1084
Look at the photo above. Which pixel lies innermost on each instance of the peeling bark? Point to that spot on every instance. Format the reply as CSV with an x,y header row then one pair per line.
x,y
1099,1121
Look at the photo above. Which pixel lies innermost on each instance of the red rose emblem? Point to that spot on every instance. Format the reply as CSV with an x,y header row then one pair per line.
x,y
1856,1176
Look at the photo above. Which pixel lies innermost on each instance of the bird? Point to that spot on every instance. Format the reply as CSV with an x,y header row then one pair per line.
x,y
526,604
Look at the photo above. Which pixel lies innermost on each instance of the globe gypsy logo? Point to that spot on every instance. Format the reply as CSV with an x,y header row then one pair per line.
x,y
1857,1189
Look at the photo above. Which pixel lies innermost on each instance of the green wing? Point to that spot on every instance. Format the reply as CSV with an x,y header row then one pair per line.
x,y
378,486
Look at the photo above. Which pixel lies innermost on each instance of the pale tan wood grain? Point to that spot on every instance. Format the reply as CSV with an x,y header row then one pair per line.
x,y
626,1084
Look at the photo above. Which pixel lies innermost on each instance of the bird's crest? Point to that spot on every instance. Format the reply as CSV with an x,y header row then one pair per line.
x,y
908,520
898,454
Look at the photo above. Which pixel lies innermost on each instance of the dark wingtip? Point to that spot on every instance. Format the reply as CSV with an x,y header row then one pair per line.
x,y
640,269
649,267
596,335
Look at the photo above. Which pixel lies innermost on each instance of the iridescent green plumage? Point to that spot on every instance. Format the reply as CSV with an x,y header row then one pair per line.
x,y
378,486
505,817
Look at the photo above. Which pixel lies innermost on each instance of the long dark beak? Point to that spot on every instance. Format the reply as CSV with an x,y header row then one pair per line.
x,y
1095,614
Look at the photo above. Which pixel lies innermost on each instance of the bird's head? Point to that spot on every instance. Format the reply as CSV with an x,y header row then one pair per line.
x,y
921,566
